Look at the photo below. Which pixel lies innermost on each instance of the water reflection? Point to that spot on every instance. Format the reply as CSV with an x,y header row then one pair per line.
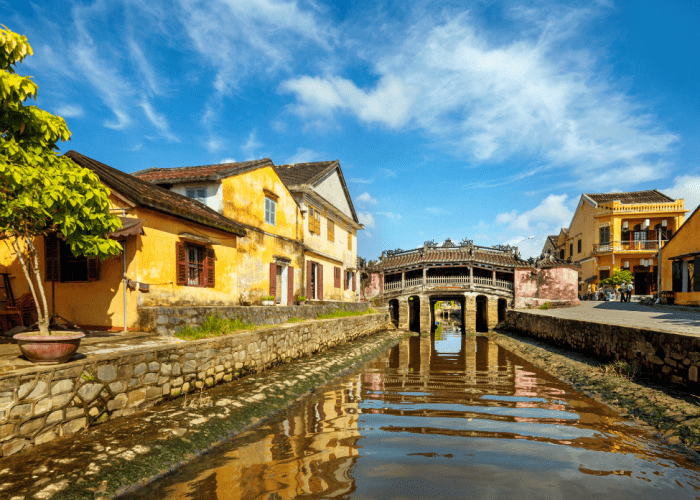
x,y
450,416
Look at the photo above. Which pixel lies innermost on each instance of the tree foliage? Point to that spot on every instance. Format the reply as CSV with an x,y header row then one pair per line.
x,y
618,276
42,192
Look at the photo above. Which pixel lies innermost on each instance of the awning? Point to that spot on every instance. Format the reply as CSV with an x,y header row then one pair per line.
x,y
130,227
684,256
591,278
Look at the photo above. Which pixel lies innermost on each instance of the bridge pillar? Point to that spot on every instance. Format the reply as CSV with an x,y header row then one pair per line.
x,y
425,314
403,313
493,311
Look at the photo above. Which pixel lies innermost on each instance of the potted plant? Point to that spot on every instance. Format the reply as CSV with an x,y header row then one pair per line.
x,y
268,300
42,193
301,300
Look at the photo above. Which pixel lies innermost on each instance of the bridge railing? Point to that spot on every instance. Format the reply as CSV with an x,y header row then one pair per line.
x,y
447,280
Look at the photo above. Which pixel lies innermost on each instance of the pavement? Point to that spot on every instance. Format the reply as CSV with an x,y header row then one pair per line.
x,y
630,314
94,343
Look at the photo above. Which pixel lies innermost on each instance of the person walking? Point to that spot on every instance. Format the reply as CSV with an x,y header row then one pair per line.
x,y
630,286
623,289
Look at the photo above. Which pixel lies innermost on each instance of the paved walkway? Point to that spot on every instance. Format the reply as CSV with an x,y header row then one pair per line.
x,y
631,314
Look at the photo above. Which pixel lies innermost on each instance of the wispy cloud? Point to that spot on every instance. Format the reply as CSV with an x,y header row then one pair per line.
x,y
366,199
686,187
494,100
437,211
251,145
158,121
367,219
359,180
70,111
303,156
228,160
388,173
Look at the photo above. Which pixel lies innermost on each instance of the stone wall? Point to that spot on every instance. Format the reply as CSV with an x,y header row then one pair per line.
x,y
534,287
671,357
169,320
41,403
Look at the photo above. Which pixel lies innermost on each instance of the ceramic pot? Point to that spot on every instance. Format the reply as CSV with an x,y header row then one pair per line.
x,y
49,350
268,302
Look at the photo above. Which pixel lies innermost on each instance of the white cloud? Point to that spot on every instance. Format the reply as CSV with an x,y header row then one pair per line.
x,y
303,156
367,219
70,111
214,143
531,95
359,180
391,215
387,172
437,211
252,144
367,199
159,121
227,160
686,187
152,82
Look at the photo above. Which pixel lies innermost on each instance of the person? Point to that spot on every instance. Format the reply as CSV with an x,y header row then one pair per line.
x,y
595,291
623,290
630,286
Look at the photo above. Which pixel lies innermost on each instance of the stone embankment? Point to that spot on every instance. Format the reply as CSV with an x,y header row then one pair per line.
x,y
169,320
670,357
41,403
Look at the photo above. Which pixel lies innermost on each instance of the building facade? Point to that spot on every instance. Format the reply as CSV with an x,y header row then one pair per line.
x,y
680,262
625,230
329,232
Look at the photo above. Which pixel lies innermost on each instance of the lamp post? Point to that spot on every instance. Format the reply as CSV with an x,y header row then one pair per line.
x,y
517,252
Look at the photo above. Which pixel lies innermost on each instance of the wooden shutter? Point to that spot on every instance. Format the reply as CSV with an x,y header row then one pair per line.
x,y
181,263
309,270
311,220
209,267
696,274
290,286
677,278
354,285
273,279
331,230
52,258
320,282
349,239
93,268
336,284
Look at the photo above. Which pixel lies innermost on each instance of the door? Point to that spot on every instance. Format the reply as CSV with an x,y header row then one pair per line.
x,y
282,273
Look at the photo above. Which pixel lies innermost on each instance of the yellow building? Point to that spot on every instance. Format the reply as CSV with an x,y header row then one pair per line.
x,y
178,251
610,230
680,262
270,258
330,231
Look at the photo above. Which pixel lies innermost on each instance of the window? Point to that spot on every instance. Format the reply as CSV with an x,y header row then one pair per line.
x,y
579,246
314,220
561,254
194,265
571,249
62,266
349,238
199,194
604,235
270,211
604,274
331,230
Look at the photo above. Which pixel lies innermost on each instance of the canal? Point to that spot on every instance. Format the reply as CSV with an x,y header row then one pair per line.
x,y
440,416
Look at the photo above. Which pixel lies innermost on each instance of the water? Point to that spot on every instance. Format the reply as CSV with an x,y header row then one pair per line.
x,y
442,417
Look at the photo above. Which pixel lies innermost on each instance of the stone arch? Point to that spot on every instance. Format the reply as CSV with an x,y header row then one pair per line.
x,y
414,313
482,313
502,308
394,311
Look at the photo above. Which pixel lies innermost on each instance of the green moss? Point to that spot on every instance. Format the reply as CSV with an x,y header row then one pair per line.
x,y
341,313
294,320
214,326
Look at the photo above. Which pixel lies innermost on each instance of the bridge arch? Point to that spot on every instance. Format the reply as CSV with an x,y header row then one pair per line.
x,y
394,311
482,313
414,313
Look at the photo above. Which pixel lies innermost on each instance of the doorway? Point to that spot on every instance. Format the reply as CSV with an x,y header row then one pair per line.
x,y
482,313
394,311
414,313
502,308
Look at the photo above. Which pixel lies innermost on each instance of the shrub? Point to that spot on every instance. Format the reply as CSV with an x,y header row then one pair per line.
x,y
545,306
213,326
301,298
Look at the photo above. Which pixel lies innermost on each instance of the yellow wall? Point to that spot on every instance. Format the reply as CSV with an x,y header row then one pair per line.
x,y
244,201
687,240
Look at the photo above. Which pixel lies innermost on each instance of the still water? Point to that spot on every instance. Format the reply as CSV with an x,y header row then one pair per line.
x,y
441,416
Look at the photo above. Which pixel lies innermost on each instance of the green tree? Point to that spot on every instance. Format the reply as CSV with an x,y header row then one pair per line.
x,y
41,192
618,276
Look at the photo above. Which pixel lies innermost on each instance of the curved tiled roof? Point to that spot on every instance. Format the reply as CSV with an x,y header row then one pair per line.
x,y
653,196
200,173
304,173
483,255
152,196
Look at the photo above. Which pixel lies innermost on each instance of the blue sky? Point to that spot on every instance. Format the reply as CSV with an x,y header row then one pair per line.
x,y
482,119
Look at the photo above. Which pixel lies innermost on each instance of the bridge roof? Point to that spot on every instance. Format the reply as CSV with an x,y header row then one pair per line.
x,y
476,254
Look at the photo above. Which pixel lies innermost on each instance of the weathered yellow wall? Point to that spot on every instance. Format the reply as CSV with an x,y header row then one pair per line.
x,y
244,201
330,292
337,249
687,240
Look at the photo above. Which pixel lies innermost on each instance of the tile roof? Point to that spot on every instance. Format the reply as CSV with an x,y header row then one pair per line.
x,y
304,173
157,198
200,173
653,196
482,255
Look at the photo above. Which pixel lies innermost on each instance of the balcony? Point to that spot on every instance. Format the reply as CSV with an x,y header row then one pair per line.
x,y
616,207
627,246
451,281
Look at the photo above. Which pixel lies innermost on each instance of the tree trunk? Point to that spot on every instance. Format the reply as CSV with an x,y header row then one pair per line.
x,y
42,316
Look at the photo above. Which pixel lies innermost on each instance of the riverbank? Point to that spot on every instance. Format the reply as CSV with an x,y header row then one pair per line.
x,y
108,459
667,409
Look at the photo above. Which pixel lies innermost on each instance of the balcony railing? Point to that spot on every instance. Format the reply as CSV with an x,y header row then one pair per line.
x,y
432,281
627,246
616,207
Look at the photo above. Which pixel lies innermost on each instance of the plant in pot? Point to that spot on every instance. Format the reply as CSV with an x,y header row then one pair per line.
x,y
42,193
301,300
268,300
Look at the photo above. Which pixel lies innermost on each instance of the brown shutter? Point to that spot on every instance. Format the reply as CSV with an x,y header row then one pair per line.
x,y
311,220
52,258
181,263
354,285
290,286
309,270
273,279
210,270
320,282
93,268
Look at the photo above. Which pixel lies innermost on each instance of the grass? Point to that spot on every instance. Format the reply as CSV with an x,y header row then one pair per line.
x,y
621,369
545,306
341,313
213,326
294,320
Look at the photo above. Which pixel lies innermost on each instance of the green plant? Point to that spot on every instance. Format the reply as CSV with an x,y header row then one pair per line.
x,y
267,297
294,320
621,368
213,326
88,377
618,276
42,193
301,298
545,306
341,313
